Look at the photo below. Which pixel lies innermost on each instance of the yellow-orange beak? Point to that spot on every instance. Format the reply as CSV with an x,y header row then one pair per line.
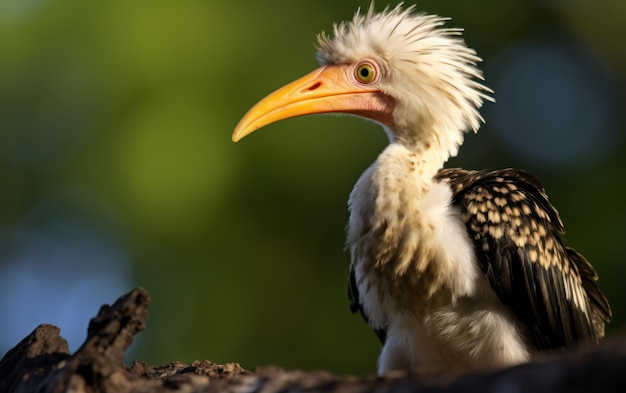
x,y
329,89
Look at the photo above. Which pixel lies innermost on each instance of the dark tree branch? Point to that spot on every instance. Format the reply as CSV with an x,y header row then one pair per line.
x,y
42,363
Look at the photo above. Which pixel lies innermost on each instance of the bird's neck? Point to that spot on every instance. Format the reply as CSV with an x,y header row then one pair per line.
x,y
419,161
432,145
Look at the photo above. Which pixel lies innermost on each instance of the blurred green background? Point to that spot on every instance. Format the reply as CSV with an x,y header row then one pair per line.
x,y
117,169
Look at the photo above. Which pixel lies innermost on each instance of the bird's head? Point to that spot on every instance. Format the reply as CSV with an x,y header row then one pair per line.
x,y
398,68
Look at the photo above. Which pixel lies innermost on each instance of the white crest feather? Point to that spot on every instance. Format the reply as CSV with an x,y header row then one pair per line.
x,y
428,68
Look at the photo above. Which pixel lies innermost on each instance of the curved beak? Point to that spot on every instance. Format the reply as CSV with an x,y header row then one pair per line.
x,y
329,89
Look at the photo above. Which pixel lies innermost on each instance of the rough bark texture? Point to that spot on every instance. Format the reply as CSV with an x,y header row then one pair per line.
x,y
41,362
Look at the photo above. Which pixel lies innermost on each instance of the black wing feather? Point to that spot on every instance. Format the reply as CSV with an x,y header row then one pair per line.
x,y
355,305
516,233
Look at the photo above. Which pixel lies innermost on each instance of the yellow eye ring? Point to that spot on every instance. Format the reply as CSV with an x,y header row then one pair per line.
x,y
365,73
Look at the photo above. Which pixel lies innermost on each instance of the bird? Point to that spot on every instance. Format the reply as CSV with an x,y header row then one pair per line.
x,y
455,270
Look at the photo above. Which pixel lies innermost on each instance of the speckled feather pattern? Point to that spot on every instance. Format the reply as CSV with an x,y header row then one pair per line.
x,y
516,232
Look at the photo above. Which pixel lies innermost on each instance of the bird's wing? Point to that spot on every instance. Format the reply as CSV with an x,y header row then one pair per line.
x,y
355,304
516,233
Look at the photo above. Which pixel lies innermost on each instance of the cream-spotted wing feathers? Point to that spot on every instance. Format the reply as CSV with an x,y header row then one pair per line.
x,y
516,232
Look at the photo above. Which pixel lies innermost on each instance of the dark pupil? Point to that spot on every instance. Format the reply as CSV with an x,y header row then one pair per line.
x,y
364,72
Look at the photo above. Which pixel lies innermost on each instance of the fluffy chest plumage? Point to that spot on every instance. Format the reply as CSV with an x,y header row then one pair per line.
x,y
404,237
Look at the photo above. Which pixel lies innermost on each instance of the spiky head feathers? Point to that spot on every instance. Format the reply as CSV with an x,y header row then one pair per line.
x,y
425,67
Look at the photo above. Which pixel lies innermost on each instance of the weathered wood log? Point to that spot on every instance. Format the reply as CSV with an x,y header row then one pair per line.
x,y
41,362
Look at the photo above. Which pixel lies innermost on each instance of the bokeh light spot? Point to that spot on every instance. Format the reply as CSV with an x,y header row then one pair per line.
x,y
57,271
555,104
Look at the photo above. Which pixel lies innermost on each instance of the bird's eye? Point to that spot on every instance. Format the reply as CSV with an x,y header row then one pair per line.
x,y
365,73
